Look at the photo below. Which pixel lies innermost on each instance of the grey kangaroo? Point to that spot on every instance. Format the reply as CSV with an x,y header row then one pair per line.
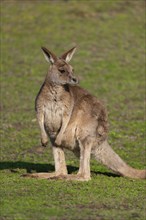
x,y
74,119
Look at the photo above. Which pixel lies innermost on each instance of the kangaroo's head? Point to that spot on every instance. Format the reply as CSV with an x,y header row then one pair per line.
x,y
60,72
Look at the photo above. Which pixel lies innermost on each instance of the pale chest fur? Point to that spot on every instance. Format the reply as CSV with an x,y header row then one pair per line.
x,y
54,102
53,114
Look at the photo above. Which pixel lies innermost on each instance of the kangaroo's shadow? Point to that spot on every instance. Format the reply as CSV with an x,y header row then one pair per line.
x,y
38,167
31,167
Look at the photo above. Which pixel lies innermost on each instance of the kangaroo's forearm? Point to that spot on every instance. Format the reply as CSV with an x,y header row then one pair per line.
x,y
44,136
65,122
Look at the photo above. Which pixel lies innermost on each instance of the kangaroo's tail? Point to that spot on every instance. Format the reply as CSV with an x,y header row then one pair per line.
x,y
108,157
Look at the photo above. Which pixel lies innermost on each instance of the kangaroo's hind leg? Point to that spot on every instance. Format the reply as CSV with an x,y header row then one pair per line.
x,y
60,166
59,158
85,154
84,170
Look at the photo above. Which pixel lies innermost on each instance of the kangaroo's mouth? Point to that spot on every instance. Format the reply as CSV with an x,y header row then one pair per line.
x,y
72,82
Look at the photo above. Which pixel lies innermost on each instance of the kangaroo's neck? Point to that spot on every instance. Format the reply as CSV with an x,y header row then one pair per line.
x,y
56,91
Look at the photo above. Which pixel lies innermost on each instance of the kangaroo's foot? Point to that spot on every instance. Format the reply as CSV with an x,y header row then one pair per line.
x,y
70,177
40,175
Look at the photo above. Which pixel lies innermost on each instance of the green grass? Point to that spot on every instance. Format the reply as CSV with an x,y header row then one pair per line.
x,y
110,63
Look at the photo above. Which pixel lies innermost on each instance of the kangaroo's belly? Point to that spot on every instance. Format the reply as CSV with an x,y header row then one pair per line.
x,y
53,118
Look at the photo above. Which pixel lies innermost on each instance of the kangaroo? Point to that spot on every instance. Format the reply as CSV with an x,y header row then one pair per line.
x,y
74,119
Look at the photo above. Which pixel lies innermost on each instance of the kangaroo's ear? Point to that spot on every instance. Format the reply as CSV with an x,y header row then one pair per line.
x,y
68,55
49,56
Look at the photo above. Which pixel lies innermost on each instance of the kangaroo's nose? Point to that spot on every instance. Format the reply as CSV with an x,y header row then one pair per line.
x,y
74,80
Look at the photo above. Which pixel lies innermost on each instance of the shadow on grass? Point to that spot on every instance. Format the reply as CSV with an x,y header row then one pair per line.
x,y
38,167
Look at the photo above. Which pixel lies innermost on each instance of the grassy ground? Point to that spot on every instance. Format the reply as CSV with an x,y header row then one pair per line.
x,y
110,63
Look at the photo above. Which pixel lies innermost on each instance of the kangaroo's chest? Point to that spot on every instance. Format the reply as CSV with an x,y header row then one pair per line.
x,y
53,113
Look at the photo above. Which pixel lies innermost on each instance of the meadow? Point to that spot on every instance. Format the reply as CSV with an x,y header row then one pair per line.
x,y
110,63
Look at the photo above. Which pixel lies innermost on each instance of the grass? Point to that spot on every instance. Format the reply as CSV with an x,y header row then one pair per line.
x,y
110,62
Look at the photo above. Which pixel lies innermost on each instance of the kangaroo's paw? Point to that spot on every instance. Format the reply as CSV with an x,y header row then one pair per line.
x,y
58,140
39,175
44,142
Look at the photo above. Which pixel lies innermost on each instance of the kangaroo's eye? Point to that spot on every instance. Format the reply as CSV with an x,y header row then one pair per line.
x,y
62,71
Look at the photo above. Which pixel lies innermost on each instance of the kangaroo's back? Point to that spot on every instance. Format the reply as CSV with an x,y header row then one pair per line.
x,y
93,112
